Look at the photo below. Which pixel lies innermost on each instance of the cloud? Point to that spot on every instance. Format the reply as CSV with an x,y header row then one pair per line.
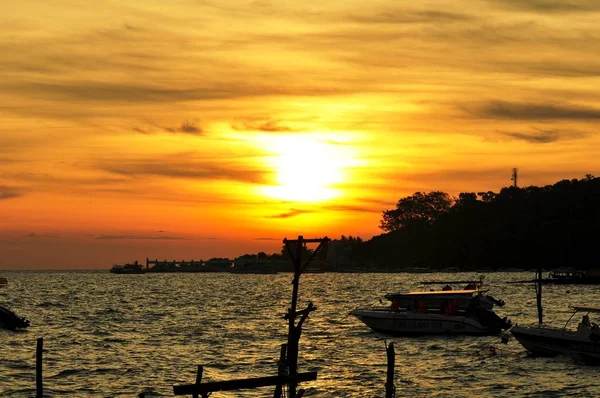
x,y
122,92
4,160
270,126
9,193
534,111
185,165
291,213
40,236
186,127
551,6
138,237
189,128
354,208
140,130
267,238
402,16
541,136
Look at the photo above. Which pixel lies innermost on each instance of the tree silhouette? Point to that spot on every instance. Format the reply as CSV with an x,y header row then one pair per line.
x,y
418,208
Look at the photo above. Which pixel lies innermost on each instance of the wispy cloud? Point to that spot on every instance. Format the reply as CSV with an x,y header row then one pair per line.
x,y
534,111
186,127
551,6
354,208
34,235
270,126
542,136
122,92
291,213
403,16
267,239
187,166
190,128
9,192
139,237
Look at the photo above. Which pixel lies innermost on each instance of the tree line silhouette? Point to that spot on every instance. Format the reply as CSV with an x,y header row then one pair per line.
x,y
552,226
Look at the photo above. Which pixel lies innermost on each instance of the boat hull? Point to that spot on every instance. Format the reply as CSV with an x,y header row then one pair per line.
x,y
406,323
551,342
127,271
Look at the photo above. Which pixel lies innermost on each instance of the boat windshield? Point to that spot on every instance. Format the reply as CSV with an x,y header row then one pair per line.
x,y
595,310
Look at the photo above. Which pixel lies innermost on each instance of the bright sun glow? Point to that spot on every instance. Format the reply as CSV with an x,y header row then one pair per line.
x,y
306,167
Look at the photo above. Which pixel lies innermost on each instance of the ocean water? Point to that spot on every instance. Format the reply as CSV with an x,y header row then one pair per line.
x,y
111,335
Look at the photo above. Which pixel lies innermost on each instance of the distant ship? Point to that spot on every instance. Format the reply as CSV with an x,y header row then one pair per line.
x,y
135,268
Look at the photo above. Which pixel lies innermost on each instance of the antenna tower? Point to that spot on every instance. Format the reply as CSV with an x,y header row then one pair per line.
x,y
514,177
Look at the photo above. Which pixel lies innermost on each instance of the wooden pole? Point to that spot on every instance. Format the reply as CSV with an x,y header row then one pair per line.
x,y
390,389
281,370
199,380
295,331
539,296
293,338
39,387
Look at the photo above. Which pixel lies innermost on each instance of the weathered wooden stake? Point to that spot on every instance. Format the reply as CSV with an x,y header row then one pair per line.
x,y
538,290
390,389
295,331
281,370
199,380
39,387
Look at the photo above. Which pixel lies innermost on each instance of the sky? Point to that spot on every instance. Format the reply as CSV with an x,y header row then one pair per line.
x,y
193,129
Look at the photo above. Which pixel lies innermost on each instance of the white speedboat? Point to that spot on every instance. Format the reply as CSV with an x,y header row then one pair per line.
x,y
409,323
545,341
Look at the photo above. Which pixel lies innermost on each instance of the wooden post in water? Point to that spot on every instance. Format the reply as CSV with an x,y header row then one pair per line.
x,y
295,331
39,387
538,290
390,389
281,370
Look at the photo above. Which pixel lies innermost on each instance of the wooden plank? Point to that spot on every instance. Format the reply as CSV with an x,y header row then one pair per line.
x,y
228,385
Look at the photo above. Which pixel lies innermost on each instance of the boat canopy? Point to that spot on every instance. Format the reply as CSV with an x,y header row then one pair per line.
x,y
585,309
439,292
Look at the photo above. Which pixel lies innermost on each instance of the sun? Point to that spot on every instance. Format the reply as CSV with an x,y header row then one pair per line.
x,y
307,167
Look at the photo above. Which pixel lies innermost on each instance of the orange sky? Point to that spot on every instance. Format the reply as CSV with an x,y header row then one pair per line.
x,y
193,129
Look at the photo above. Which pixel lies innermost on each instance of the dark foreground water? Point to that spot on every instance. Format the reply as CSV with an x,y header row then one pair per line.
x,y
111,335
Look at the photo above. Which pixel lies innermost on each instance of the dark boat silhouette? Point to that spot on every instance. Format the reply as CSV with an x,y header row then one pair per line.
x,y
11,321
135,268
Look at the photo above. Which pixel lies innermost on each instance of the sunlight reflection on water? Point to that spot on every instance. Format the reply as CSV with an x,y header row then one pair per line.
x,y
114,335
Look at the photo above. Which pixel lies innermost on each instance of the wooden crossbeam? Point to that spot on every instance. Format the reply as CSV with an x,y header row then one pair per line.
x,y
228,385
306,311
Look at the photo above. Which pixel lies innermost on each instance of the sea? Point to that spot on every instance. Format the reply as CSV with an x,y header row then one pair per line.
x,y
109,335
